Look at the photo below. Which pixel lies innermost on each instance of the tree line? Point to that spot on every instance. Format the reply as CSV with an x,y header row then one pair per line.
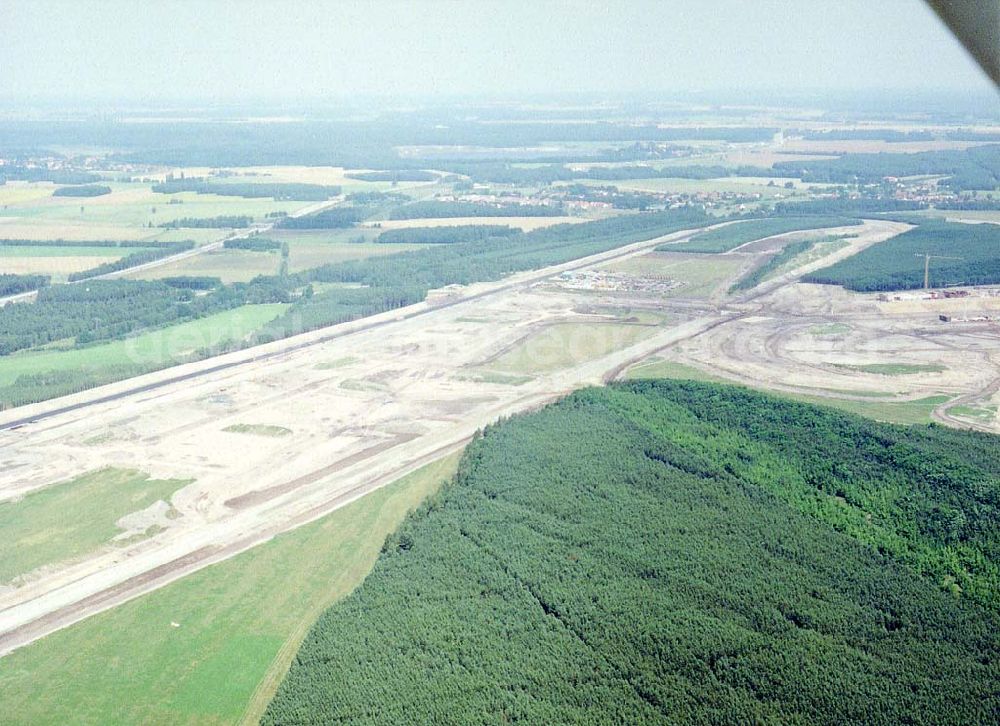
x,y
86,190
967,255
11,284
235,221
664,552
278,191
445,235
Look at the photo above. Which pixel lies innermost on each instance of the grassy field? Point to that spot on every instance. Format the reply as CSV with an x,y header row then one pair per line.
x,y
258,429
56,261
153,348
136,205
37,530
894,369
239,623
658,368
567,344
701,276
229,265
917,411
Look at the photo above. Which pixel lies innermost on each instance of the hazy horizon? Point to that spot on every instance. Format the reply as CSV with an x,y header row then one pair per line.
x,y
313,52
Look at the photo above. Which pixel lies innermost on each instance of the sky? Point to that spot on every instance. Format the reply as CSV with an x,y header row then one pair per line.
x,y
149,50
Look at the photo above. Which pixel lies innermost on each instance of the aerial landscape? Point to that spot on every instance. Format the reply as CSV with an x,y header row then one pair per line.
x,y
402,390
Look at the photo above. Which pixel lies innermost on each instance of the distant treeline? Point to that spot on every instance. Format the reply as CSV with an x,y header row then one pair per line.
x,y
362,144
437,209
221,222
11,284
375,198
396,175
14,172
845,206
724,239
445,235
254,244
87,190
132,260
276,191
333,218
977,167
665,552
898,263
192,282
500,173
890,135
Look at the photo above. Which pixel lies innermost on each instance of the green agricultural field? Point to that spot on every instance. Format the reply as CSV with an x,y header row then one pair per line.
x,y
567,344
701,276
38,531
239,624
133,205
658,368
916,411
894,369
8,252
305,255
228,265
44,373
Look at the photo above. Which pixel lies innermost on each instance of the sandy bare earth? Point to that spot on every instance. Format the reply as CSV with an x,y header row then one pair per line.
x,y
370,401
364,408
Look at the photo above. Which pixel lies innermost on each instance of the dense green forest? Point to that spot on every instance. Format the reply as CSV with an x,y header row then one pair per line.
x,y
898,263
431,209
11,284
134,259
977,167
277,191
221,222
446,235
724,239
672,552
334,218
16,172
87,190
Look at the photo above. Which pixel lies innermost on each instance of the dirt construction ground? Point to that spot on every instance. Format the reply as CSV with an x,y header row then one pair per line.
x,y
369,401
